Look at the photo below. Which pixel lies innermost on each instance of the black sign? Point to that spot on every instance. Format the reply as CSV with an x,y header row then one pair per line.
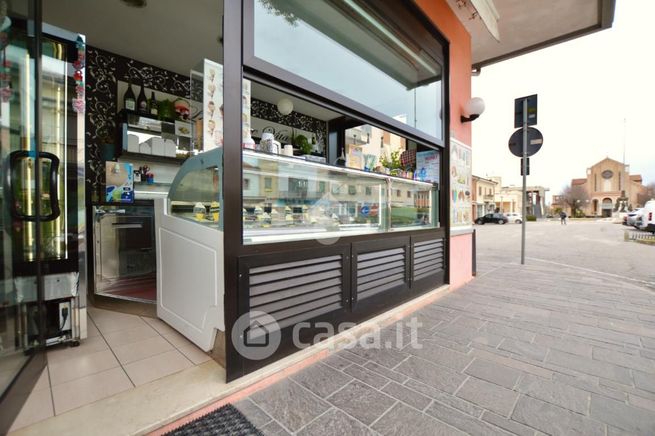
x,y
532,111
527,166
535,141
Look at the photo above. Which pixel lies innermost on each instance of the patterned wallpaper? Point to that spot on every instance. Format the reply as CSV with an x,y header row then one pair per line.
x,y
103,71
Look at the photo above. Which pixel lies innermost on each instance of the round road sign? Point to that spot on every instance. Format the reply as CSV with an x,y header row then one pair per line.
x,y
535,141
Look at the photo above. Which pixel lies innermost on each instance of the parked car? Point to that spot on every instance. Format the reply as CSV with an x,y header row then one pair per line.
x,y
632,217
647,217
497,218
514,217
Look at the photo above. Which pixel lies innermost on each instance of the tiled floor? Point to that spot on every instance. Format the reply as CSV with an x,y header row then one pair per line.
x,y
524,350
122,351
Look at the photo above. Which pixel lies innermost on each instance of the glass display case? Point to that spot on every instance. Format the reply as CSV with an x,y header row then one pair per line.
x,y
196,192
287,198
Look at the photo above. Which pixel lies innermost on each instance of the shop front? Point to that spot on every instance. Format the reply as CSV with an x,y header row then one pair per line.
x,y
282,162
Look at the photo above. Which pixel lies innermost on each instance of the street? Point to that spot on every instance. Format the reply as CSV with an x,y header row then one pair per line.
x,y
593,245
562,345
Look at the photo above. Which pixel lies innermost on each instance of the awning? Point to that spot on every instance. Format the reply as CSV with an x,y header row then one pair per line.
x,y
503,29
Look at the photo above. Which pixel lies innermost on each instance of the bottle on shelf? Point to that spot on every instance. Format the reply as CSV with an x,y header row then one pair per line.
x,y
129,100
153,107
142,101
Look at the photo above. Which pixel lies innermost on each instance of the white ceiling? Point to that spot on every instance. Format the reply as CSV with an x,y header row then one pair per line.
x,y
171,34
526,25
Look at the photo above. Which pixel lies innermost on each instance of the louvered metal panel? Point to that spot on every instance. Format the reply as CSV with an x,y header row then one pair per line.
x,y
297,291
379,271
428,258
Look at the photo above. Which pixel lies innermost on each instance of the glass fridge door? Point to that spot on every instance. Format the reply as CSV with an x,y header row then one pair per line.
x,y
25,173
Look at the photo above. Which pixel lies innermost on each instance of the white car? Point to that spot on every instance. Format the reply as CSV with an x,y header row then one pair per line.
x,y
647,219
632,217
514,217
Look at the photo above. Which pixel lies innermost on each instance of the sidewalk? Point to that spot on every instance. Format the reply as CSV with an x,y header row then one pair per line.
x,y
520,350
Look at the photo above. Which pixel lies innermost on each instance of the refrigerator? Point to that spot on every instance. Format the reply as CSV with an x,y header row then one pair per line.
x,y
48,235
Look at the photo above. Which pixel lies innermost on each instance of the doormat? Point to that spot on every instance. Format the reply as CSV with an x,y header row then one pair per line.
x,y
224,421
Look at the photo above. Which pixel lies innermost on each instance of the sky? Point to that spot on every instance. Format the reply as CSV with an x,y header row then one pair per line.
x,y
586,89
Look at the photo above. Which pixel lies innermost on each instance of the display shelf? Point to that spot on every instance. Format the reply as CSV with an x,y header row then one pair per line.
x,y
338,169
152,157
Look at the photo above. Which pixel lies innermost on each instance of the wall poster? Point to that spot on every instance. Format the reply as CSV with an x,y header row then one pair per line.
x,y
212,105
428,166
119,184
460,184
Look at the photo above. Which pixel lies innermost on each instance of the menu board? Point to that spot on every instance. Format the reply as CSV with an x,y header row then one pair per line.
x,y
460,184
212,105
427,166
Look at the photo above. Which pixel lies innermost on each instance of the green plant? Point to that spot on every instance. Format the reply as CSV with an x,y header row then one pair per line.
x,y
531,218
392,162
303,144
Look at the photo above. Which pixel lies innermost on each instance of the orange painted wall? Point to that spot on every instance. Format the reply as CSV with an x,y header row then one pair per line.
x,y
460,62
460,92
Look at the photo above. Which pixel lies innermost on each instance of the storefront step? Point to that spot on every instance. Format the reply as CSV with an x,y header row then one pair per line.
x,y
168,402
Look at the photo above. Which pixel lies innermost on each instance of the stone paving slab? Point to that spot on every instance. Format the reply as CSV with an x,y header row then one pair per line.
x,y
525,350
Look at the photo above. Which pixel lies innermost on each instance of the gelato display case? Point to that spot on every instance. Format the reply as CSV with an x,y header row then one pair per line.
x,y
283,199
288,198
189,236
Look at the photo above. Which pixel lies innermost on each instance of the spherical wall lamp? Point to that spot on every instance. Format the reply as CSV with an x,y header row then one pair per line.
x,y
472,109
285,106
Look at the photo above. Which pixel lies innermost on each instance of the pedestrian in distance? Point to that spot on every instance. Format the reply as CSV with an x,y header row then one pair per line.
x,y
562,218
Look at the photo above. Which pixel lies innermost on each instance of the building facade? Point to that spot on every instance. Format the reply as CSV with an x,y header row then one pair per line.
x,y
483,195
510,199
608,187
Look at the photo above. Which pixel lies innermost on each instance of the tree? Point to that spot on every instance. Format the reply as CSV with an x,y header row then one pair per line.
x,y
648,194
574,196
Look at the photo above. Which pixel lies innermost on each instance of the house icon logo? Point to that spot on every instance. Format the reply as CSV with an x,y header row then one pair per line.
x,y
256,335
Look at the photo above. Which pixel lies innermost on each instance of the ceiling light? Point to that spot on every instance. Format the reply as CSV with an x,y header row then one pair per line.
x,y
285,106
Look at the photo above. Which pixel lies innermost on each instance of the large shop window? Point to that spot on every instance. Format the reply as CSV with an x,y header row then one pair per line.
x,y
392,66
314,173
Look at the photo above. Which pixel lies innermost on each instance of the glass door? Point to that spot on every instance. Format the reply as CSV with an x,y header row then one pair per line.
x,y
28,199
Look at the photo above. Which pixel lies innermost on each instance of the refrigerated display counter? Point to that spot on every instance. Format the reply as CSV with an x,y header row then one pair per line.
x,y
284,199
288,198
189,236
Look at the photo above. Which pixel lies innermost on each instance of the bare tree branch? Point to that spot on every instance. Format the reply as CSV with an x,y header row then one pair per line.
x,y
574,196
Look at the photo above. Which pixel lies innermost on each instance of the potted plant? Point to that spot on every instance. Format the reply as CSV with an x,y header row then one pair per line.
x,y
303,144
392,163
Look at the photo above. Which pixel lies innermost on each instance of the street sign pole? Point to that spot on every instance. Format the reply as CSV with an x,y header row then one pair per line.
x,y
523,163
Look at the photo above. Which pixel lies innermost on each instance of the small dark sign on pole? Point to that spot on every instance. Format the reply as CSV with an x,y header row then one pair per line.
x,y
525,163
532,111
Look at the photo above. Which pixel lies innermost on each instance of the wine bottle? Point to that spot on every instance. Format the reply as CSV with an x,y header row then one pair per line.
x,y
129,101
142,101
153,105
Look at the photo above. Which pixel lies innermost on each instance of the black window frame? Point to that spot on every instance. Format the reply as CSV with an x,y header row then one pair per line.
x,y
270,75
237,38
